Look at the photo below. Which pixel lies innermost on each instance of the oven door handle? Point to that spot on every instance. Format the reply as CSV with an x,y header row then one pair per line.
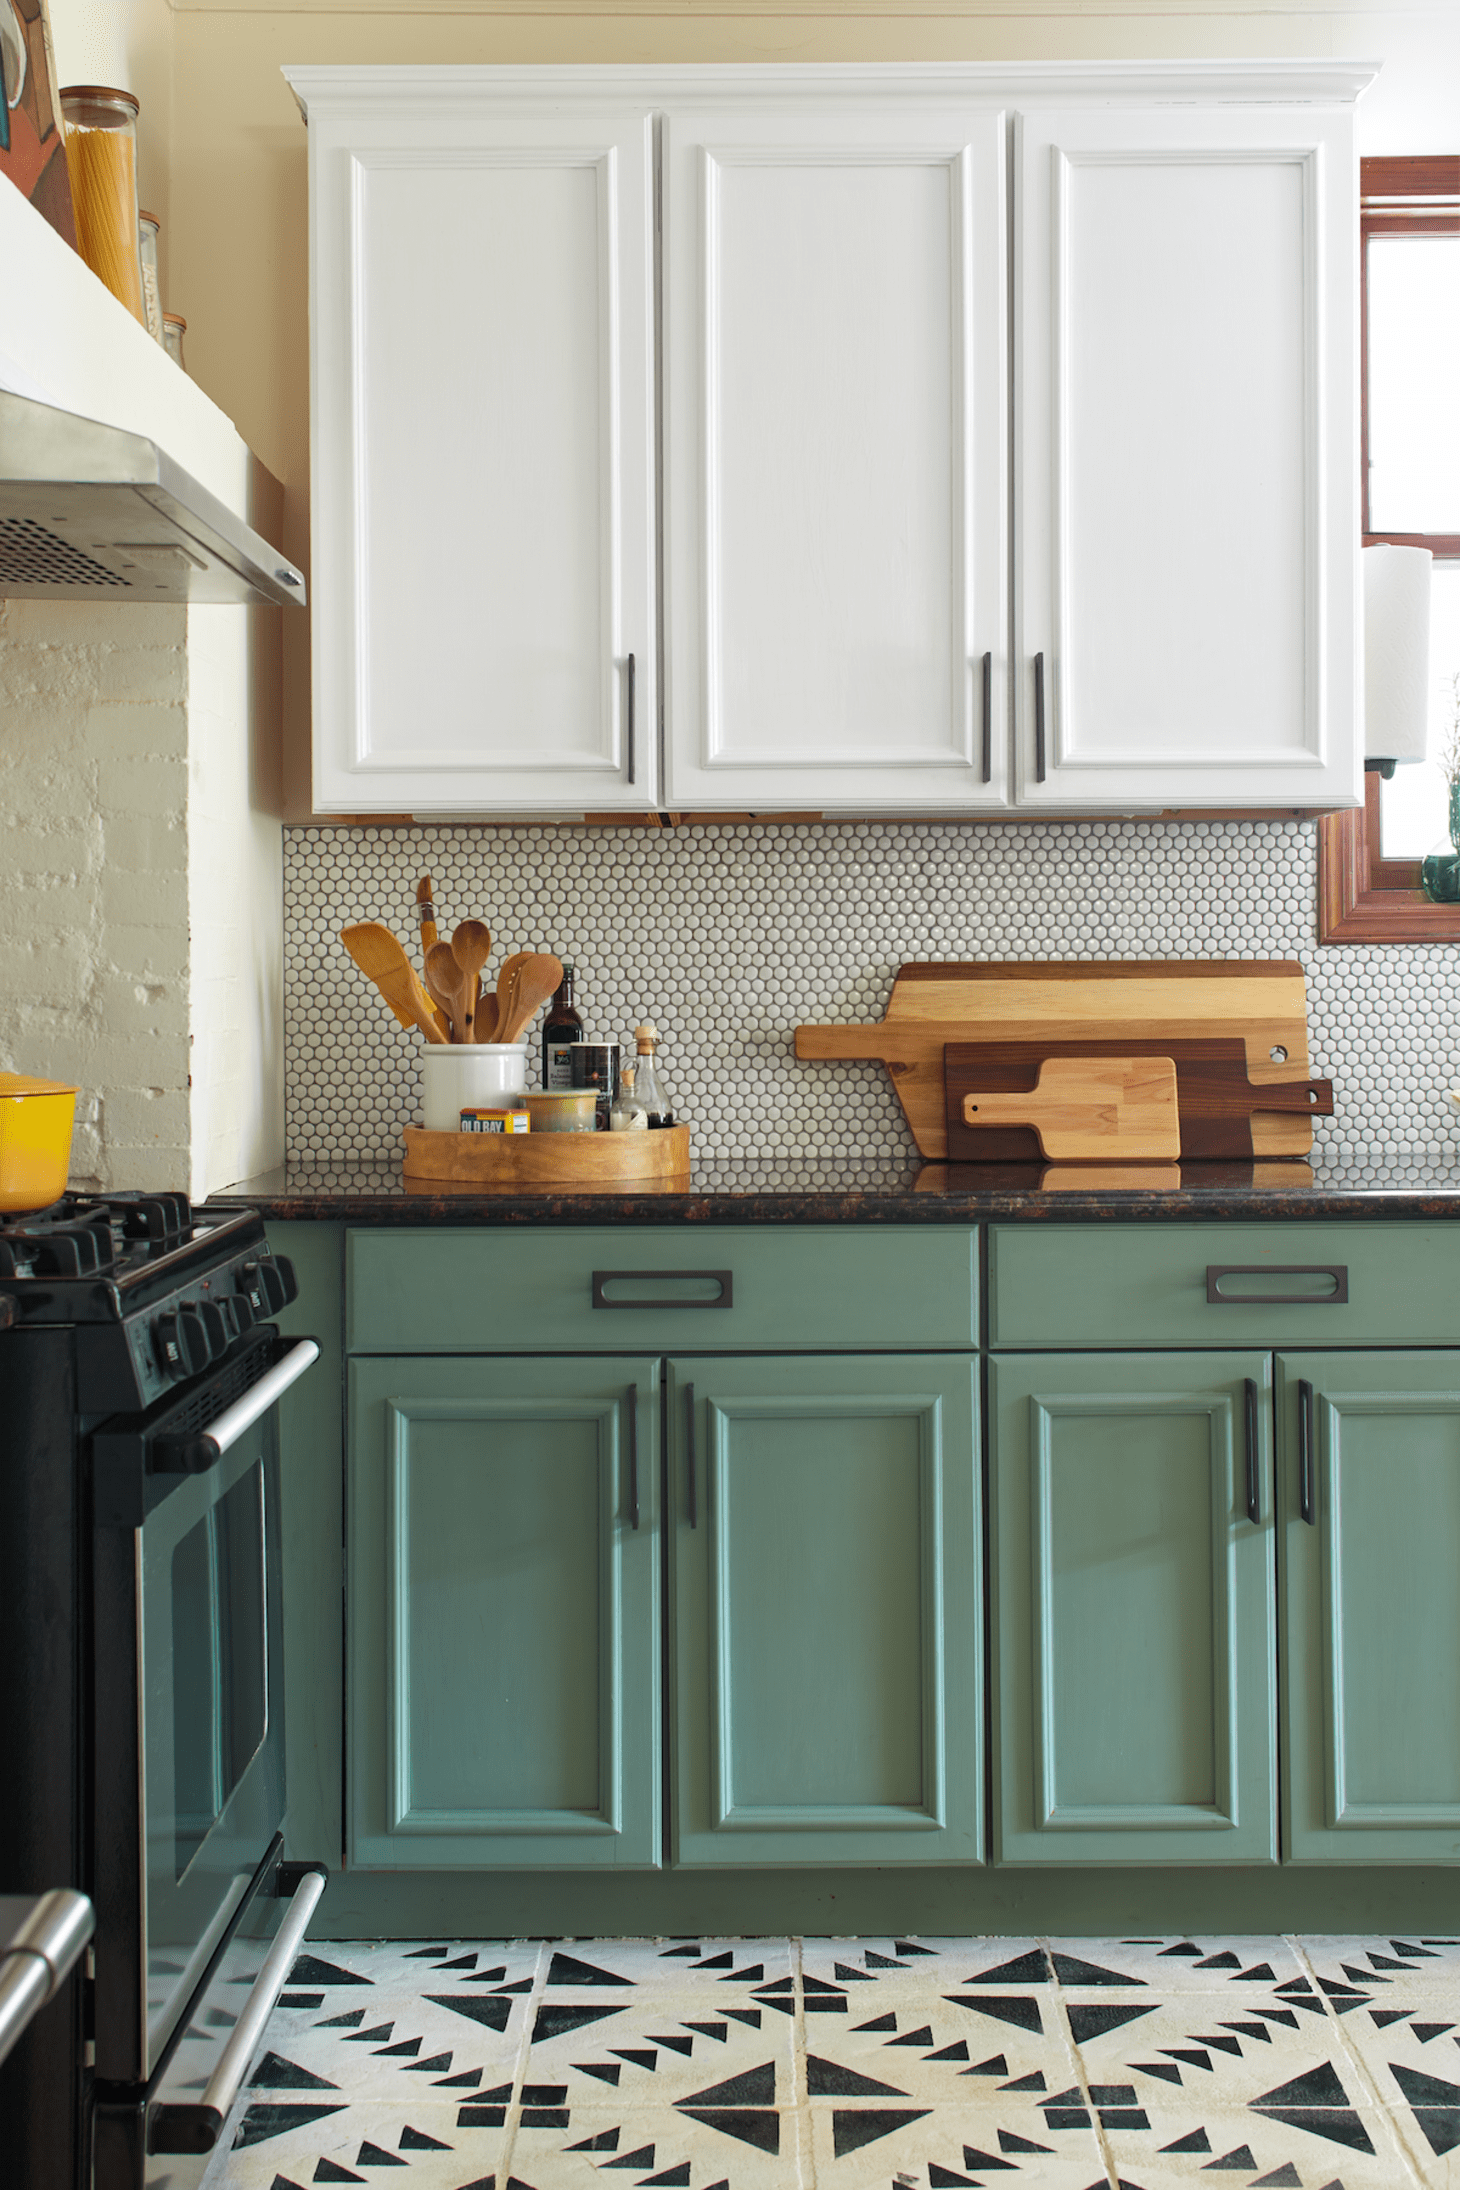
x,y
194,1455
195,2127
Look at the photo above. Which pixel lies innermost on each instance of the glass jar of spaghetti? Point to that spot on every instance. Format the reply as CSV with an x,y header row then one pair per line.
x,y
101,159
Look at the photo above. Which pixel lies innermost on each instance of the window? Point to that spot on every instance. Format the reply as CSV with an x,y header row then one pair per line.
x,y
1368,863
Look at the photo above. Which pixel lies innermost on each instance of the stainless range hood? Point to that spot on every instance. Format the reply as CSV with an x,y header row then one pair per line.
x,y
87,509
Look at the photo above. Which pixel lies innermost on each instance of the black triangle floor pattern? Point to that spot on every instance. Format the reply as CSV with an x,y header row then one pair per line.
x,y
881,2064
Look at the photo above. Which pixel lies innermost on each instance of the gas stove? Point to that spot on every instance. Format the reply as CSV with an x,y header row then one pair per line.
x,y
157,1292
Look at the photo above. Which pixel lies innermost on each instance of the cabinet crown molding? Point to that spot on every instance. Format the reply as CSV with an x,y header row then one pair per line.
x,y
1289,82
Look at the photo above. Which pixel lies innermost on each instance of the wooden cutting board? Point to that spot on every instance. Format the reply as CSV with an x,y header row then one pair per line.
x,y
1215,1097
1261,1003
1090,1109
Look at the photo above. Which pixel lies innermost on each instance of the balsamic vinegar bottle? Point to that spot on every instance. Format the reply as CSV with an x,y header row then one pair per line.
x,y
650,1093
562,1027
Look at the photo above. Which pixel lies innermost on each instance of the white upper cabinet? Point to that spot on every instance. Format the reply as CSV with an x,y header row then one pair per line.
x,y
483,450
835,486
731,346
1186,478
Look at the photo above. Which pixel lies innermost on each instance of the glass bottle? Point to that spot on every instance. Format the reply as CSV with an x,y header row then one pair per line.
x,y
148,230
628,1114
649,1088
174,327
562,1027
101,160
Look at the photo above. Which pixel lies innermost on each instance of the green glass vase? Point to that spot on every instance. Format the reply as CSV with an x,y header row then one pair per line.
x,y
1439,875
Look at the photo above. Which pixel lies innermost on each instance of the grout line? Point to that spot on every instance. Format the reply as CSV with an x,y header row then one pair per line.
x,y
805,2149
1107,2160
519,2072
1357,2064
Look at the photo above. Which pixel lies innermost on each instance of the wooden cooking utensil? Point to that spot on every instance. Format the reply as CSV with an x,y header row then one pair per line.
x,y
484,1018
377,953
1089,1108
471,945
426,915
537,978
1214,1095
1261,1003
451,986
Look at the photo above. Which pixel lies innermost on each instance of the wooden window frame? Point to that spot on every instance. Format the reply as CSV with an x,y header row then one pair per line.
x,y
1363,897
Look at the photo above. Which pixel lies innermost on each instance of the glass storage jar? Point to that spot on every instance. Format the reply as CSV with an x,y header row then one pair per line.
x,y
101,159
149,229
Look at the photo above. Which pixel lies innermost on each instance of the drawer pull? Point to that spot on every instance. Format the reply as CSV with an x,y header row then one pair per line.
x,y
1251,1415
629,738
633,1456
689,1446
1336,1272
1039,718
725,1279
1305,1452
988,718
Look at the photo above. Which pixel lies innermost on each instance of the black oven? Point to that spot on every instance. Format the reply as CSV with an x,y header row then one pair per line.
x,y
140,1615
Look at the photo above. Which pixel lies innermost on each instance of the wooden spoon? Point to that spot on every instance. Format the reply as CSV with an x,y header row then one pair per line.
x,y
455,987
470,946
506,993
377,953
538,976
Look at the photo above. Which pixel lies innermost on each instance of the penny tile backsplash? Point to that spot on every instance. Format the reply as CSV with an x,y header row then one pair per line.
x,y
729,936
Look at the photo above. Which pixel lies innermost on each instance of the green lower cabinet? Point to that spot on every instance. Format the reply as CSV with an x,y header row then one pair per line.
x,y
1372,1610
1135,1675
503,1613
827,1612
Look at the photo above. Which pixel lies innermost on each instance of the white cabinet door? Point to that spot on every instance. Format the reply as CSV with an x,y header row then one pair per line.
x,y
483,412
1186,472
835,493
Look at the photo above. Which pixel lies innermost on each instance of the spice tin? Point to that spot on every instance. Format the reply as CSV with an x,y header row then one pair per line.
x,y
596,1065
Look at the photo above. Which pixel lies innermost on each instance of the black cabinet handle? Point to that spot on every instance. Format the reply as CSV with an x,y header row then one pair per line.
x,y
629,738
1336,1272
1305,1452
988,718
1251,1413
633,1456
1039,718
689,1446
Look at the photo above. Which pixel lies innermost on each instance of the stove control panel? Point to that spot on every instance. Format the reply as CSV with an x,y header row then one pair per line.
x,y
197,1327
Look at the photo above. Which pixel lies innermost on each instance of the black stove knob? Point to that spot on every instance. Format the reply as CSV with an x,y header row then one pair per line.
x,y
240,1307
216,1328
268,1284
180,1343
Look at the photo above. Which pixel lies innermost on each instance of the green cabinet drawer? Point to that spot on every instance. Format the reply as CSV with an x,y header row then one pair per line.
x,y
802,1289
1146,1285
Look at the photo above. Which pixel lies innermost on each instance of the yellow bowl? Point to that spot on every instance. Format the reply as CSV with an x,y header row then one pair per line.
x,y
36,1117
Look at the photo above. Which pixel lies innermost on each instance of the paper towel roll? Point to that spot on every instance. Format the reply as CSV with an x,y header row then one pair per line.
x,y
1396,652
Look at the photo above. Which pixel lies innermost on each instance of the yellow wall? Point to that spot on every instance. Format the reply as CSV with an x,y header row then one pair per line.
x,y
237,259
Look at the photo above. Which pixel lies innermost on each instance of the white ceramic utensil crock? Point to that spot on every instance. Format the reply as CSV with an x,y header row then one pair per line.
x,y
457,1075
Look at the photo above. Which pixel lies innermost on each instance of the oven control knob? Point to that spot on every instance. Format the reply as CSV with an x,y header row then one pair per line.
x,y
269,1284
215,1328
180,1343
240,1308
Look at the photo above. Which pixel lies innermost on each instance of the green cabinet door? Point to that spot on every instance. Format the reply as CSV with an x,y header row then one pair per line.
x,y
503,1613
827,1610
1135,1675
1371,1704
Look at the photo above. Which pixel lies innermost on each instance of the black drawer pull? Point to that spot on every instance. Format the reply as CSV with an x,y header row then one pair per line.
x,y
633,1456
1216,1271
988,718
689,1446
1305,1453
725,1279
1251,1422
1039,718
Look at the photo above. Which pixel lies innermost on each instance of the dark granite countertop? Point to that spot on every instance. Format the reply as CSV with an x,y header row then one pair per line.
x,y
1413,1183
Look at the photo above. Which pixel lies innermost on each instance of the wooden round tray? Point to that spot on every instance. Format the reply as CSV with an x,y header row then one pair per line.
x,y
547,1159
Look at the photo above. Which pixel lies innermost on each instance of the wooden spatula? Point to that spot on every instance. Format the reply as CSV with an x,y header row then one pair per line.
x,y
377,953
1092,1109
537,976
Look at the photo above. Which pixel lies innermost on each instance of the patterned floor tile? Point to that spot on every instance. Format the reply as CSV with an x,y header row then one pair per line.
x,y
291,2142
967,2049
647,2048
670,1965
1278,2046
398,2021
738,2145
921,1965
878,2143
1337,2150
1175,1964
1410,1963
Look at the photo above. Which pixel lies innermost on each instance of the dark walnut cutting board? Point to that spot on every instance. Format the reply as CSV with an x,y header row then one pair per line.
x,y
1263,1004
1216,1101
